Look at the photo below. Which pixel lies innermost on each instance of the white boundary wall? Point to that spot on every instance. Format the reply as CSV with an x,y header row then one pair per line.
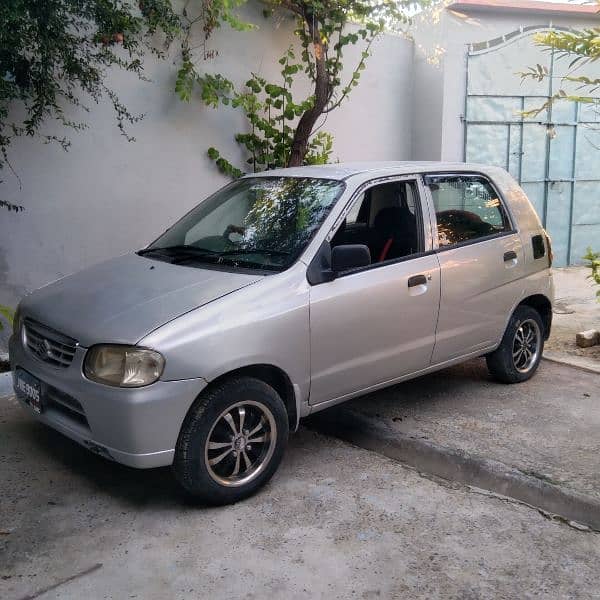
x,y
106,196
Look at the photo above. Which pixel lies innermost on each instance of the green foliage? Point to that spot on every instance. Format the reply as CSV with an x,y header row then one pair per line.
x,y
57,53
581,47
8,314
283,130
223,164
184,84
9,205
320,148
269,109
206,16
593,262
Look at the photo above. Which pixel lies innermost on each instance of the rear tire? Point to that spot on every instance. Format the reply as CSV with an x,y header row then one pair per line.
x,y
519,354
232,441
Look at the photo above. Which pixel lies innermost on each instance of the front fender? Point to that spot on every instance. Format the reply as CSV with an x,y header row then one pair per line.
x,y
265,323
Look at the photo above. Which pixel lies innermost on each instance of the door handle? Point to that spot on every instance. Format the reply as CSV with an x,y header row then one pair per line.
x,y
416,280
510,255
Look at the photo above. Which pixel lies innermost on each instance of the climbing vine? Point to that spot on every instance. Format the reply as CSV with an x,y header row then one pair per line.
x,y
283,130
56,54
270,111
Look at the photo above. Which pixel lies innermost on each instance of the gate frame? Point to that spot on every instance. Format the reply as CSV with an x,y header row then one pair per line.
x,y
475,49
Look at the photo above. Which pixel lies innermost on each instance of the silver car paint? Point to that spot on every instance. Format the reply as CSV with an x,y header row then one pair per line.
x,y
350,349
122,299
478,291
208,323
265,323
370,327
137,427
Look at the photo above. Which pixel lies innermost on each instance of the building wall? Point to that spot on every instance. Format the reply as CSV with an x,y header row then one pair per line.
x,y
106,196
428,107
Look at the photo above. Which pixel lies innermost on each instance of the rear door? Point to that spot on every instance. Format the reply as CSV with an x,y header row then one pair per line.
x,y
376,324
481,262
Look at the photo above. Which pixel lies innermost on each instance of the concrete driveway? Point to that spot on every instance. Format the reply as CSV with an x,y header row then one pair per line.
x,y
336,521
547,426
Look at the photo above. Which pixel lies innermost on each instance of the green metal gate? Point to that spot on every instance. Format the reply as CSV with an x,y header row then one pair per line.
x,y
555,155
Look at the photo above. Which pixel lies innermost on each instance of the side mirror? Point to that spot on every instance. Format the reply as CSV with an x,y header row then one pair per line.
x,y
352,256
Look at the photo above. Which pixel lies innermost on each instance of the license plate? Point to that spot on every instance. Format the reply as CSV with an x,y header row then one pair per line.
x,y
29,388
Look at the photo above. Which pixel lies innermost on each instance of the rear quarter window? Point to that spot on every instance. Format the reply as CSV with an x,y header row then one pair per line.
x,y
467,208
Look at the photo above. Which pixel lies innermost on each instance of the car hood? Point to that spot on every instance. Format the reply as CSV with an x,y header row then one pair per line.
x,y
123,299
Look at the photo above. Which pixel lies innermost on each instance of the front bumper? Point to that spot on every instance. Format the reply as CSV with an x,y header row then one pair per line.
x,y
137,427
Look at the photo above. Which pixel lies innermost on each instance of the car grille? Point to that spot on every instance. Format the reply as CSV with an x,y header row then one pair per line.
x,y
48,345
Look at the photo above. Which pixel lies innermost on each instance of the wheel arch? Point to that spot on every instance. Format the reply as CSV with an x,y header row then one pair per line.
x,y
543,306
274,376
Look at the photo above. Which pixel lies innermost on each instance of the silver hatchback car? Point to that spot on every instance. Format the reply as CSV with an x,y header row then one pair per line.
x,y
283,294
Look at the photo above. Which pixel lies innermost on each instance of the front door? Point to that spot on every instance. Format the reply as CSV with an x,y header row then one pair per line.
x,y
377,324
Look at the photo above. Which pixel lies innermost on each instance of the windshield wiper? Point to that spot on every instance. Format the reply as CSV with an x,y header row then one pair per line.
x,y
182,253
247,264
178,250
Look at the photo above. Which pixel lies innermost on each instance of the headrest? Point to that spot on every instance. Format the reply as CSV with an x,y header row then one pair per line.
x,y
388,220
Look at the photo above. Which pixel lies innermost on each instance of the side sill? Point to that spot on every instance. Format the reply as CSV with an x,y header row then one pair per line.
x,y
437,367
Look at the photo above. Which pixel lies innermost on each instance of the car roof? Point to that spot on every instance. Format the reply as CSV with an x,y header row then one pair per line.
x,y
341,171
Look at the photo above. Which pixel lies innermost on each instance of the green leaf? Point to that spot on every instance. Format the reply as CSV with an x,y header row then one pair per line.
x,y
8,314
272,108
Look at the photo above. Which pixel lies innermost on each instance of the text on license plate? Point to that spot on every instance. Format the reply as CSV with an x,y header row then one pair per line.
x,y
31,391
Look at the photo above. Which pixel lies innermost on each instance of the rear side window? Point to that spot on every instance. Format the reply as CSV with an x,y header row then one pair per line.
x,y
467,208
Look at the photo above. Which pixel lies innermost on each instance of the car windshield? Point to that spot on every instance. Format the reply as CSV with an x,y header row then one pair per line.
x,y
256,223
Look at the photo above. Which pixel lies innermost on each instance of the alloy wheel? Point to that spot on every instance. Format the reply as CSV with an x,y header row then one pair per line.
x,y
241,443
526,345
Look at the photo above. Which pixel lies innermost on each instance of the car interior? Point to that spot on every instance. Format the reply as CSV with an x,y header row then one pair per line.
x,y
384,219
466,209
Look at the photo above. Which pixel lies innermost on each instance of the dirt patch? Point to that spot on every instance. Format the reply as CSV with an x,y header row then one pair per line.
x,y
563,341
575,309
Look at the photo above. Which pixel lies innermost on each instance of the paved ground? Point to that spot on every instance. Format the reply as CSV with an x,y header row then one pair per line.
x,y
336,521
547,427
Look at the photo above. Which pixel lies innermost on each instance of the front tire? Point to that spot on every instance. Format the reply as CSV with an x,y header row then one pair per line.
x,y
232,441
519,354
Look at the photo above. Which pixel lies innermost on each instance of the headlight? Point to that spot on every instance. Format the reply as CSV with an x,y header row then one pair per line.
x,y
123,366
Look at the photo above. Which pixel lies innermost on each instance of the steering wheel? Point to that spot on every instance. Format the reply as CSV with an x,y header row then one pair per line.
x,y
230,229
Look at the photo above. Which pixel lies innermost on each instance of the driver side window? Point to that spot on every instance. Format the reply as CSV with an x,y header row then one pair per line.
x,y
384,218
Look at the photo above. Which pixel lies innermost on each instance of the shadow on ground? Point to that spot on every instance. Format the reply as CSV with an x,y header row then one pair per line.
x,y
137,487
546,427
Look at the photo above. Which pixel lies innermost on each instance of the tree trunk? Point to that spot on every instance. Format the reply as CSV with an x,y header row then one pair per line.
x,y
309,118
